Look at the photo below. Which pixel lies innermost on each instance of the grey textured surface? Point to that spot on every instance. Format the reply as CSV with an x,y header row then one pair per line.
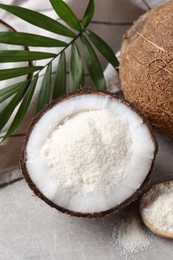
x,y
30,229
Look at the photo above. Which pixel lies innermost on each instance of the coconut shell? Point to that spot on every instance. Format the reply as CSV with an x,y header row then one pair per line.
x,y
146,67
32,185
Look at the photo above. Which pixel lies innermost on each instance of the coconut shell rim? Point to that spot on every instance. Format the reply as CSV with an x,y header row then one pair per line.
x,y
34,188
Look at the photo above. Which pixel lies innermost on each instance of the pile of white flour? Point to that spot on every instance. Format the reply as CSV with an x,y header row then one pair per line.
x,y
130,235
89,151
157,206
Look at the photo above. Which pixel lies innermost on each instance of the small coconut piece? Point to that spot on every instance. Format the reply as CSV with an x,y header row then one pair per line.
x,y
88,153
146,67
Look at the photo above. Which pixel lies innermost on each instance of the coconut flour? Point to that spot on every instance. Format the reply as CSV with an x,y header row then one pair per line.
x,y
157,206
89,151
130,235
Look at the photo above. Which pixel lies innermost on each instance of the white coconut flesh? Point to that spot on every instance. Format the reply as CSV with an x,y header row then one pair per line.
x,y
89,153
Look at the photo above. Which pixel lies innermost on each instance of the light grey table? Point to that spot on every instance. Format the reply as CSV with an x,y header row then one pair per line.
x,y
31,230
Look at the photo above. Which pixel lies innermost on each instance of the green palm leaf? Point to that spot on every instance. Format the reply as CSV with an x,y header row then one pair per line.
x,y
38,20
76,69
103,47
8,110
28,39
88,14
93,64
44,95
66,14
23,107
9,91
16,72
23,91
17,56
59,88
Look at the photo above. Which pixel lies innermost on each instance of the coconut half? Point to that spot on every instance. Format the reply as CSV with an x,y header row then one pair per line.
x,y
109,175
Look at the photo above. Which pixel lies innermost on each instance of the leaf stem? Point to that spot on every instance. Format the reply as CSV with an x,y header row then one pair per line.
x,y
69,44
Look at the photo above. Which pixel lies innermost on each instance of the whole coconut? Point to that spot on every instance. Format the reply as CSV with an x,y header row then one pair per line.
x,y
146,67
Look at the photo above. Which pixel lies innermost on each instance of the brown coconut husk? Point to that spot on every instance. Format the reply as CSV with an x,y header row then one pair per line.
x,y
146,67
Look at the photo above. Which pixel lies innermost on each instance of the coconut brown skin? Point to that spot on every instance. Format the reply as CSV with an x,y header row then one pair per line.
x,y
26,175
146,67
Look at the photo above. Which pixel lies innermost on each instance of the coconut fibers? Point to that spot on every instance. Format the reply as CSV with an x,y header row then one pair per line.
x,y
88,152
